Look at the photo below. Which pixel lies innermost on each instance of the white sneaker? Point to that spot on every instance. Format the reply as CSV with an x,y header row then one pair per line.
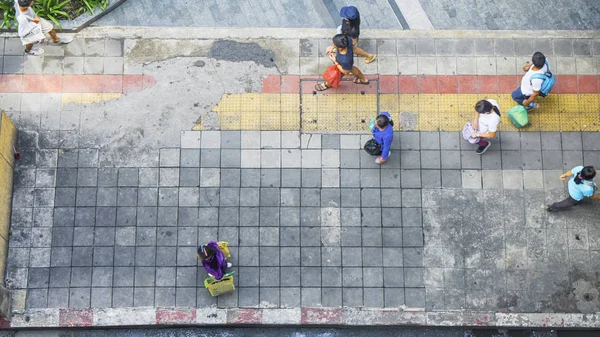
x,y
63,40
35,51
377,161
229,265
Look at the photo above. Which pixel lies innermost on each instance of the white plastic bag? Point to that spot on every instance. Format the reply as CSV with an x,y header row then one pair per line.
x,y
29,31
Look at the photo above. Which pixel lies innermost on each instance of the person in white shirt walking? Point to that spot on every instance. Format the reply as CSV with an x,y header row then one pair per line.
x,y
30,26
485,123
530,87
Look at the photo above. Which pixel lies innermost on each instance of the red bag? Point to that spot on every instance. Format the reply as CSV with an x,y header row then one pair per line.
x,y
333,76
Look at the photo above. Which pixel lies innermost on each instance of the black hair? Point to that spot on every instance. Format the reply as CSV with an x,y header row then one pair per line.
x,y
351,27
210,251
485,106
538,59
383,121
340,41
354,23
587,173
24,3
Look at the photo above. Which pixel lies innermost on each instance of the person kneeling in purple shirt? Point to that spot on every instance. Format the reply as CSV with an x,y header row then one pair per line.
x,y
213,260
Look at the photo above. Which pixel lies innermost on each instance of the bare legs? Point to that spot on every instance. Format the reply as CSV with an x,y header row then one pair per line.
x,y
359,75
52,34
368,58
360,79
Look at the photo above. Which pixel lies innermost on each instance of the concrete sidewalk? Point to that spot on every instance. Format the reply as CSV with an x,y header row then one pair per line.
x,y
135,150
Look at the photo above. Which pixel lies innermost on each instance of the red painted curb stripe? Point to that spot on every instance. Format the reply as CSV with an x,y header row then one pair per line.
x,y
119,317
10,83
321,316
75,317
431,84
175,316
244,316
4,323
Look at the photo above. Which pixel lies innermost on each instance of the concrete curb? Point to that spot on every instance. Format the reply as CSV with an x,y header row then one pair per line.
x,y
187,33
150,316
80,22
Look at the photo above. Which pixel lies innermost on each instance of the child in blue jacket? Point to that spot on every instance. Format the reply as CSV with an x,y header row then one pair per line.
x,y
383,134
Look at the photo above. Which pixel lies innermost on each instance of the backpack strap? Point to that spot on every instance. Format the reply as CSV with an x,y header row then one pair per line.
x,y
543,76
590,183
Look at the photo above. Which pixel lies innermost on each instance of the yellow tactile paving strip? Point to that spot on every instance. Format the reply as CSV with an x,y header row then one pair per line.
x,y
351,112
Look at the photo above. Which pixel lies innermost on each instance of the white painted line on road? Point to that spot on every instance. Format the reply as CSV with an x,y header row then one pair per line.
x,y
414,14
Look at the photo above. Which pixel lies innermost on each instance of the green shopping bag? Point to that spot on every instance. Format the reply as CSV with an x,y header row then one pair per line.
x,y
222,286
518,115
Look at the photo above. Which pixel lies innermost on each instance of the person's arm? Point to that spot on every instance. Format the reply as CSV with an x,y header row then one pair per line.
x,y
527,67
566,175
595,197
489,134
531,98
476,121
339,66
385,149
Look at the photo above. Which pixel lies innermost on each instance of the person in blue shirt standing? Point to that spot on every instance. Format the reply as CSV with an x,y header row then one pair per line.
x,y
383,134
581,185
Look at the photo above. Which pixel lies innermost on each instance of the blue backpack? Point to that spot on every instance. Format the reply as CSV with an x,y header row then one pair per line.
x,y
548,81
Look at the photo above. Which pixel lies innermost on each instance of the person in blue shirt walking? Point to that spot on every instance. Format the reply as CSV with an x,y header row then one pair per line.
x,y
581,185
383,134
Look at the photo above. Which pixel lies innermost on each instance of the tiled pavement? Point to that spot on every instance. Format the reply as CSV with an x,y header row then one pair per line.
x,y
311,219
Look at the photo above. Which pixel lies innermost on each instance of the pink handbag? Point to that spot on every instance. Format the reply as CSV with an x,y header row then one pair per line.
x,y
467,132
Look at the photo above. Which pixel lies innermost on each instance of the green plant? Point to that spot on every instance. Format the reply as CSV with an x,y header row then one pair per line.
x,y
89,5
8,14
53,10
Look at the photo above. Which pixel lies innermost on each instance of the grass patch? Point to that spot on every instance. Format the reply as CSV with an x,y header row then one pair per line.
x,y
52,10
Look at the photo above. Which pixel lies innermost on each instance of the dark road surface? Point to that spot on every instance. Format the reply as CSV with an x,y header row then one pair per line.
x,y
301,332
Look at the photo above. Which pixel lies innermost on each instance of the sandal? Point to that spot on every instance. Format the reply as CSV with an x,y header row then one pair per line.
x,y
321,86
370,59
359,81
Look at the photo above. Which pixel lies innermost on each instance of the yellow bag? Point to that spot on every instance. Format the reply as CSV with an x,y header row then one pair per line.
x,y
223,286
224,247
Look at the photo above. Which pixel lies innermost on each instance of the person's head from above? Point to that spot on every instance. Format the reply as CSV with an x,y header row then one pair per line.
x,y
349,13
587,173
383,120
206,252
340,41
484,106
25,3
538,59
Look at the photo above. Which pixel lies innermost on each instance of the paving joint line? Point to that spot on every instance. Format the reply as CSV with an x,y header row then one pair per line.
x,y
207,33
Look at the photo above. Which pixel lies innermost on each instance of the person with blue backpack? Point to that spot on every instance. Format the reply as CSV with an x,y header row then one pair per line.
x,y
581,185
537,81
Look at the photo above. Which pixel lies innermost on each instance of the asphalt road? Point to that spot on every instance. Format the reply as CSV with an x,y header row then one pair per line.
x,y
299,332
375,14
